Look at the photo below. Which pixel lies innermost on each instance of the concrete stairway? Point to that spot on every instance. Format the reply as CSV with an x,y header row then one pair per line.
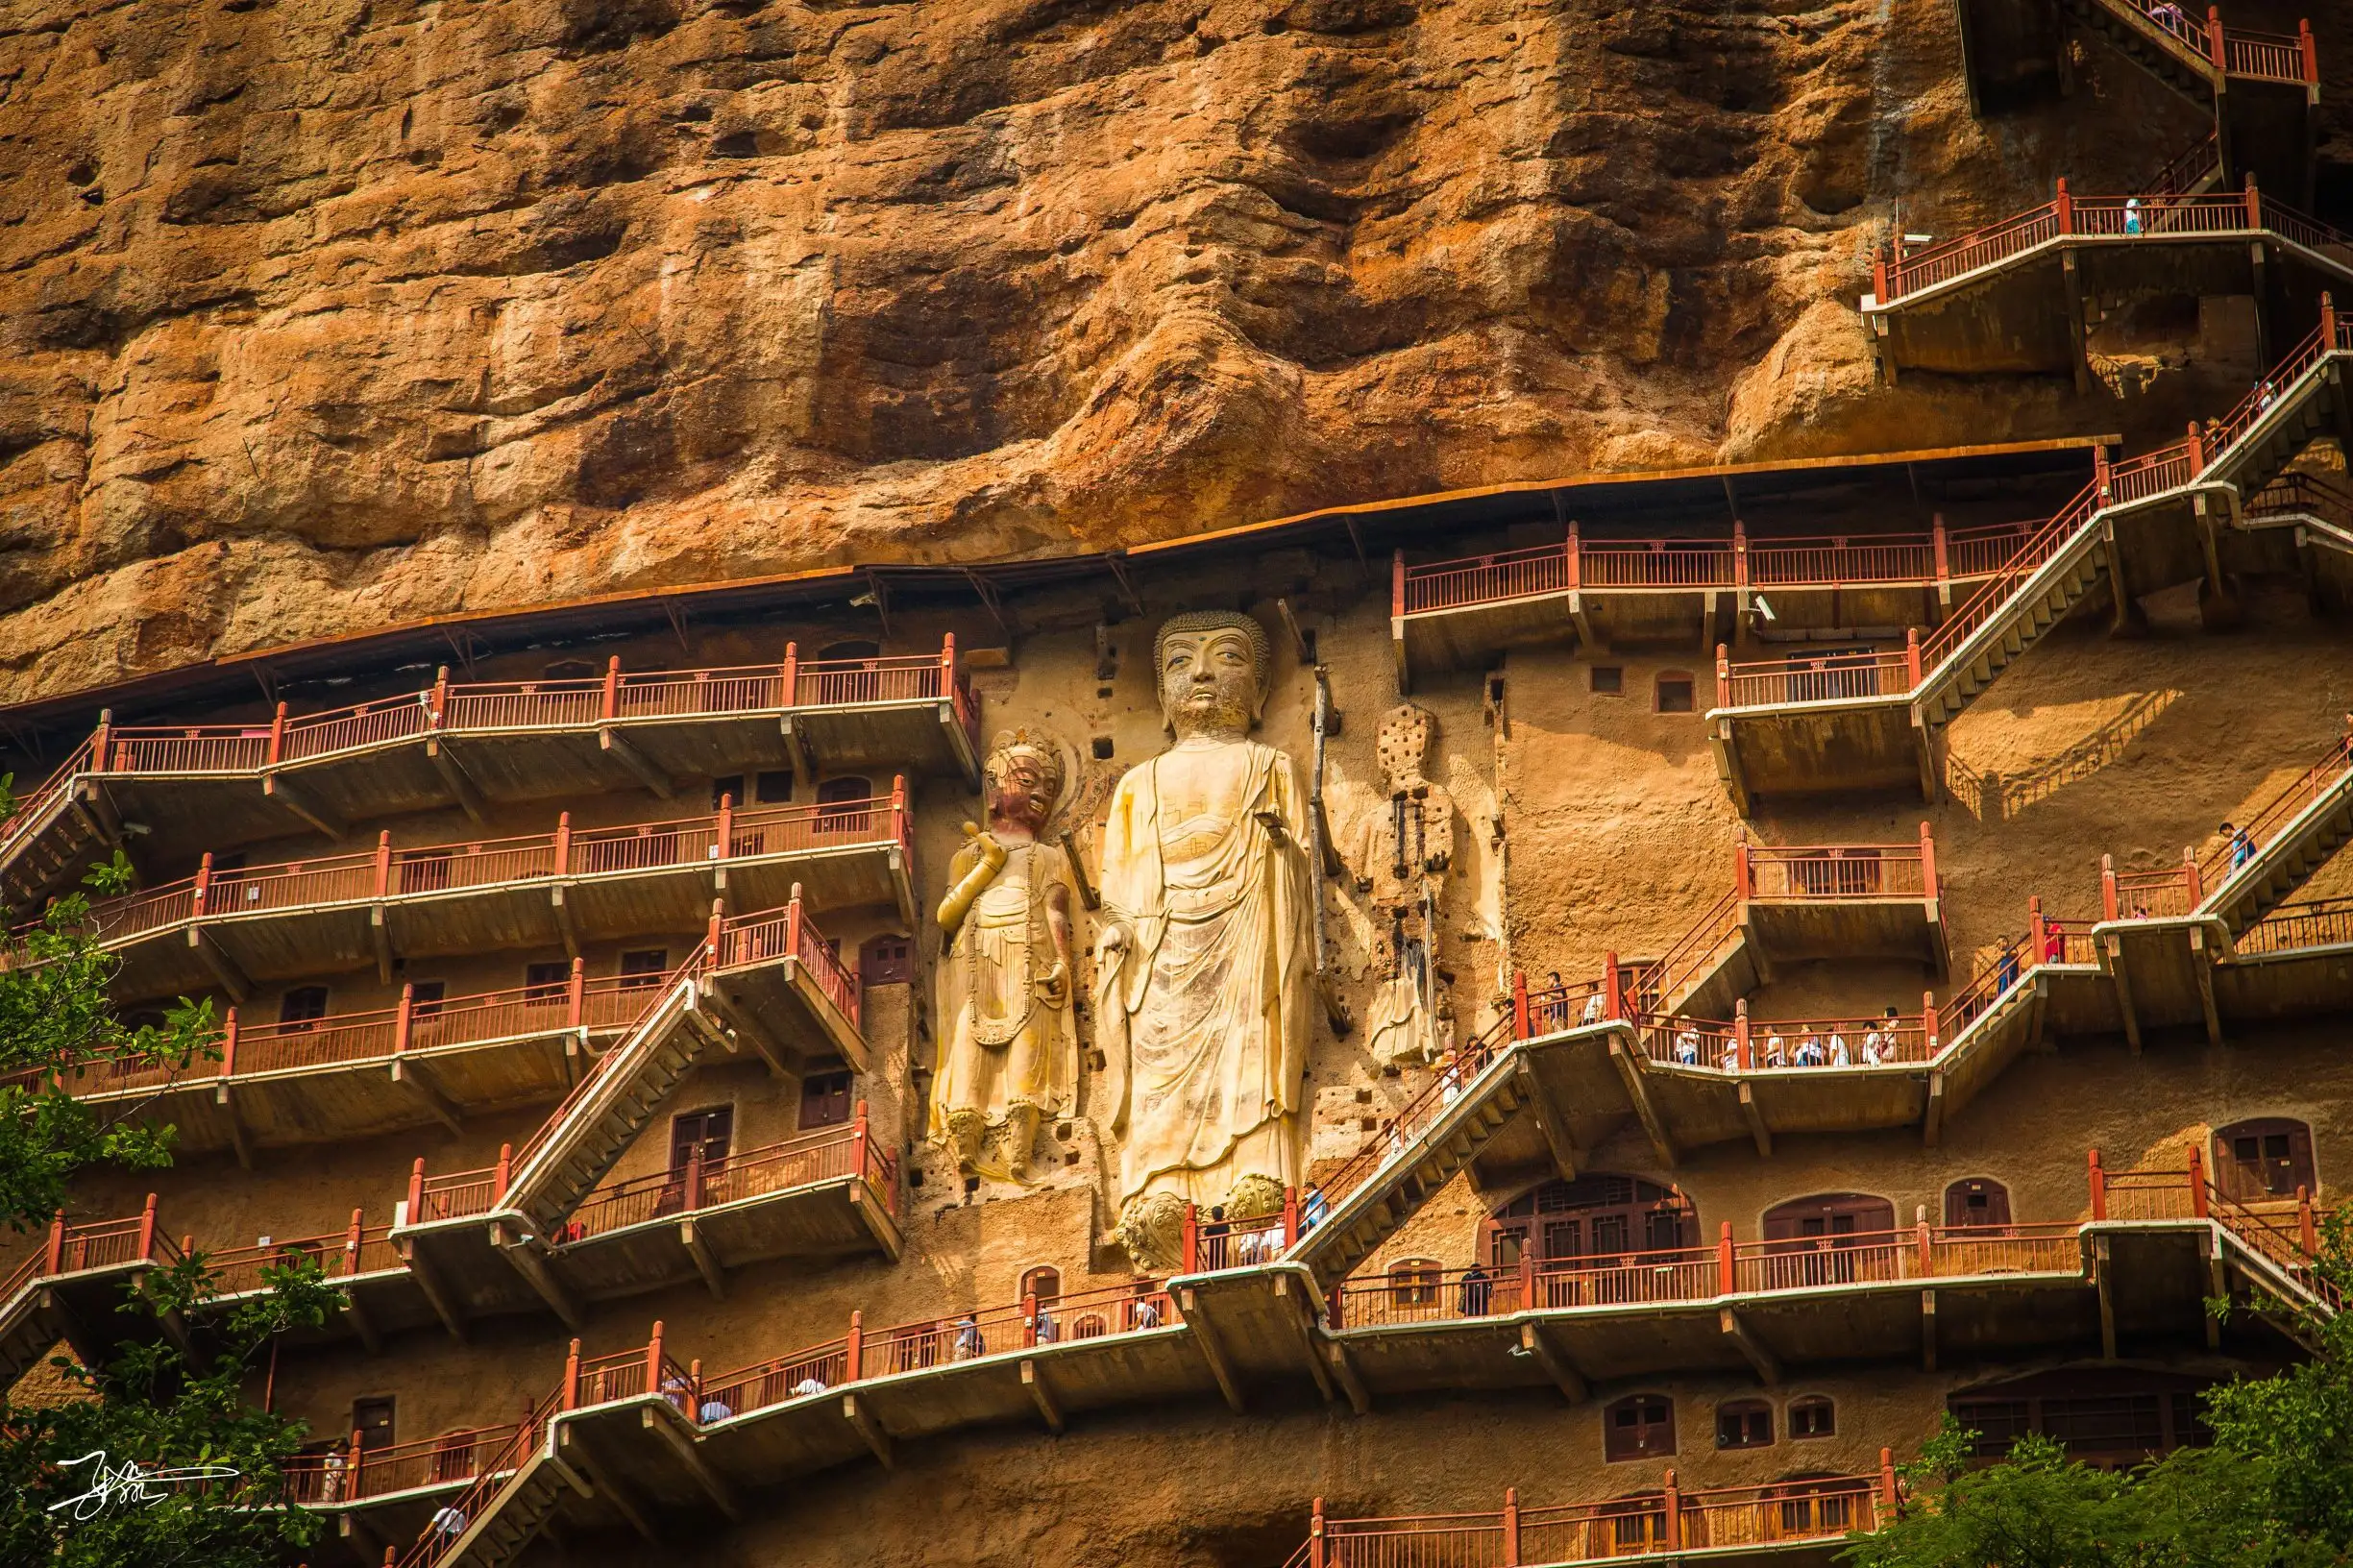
x,y
2046,598
2164,54
2288,856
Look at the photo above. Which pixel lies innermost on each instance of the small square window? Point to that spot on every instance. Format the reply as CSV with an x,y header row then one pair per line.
x,y
1748,1424
1608,680
545,982
1813,1418
1675,694
775,787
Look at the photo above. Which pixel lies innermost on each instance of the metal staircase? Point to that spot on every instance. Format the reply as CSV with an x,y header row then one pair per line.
x,y
2164,48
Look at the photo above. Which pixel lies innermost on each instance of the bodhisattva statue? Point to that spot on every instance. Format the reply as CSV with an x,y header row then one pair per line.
x,y
1010,1058
1202,987
1403,850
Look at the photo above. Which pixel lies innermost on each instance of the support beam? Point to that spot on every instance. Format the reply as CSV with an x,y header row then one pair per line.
x,y
863,1420
1924,753
2077,334
1758,1133
304,804
609,1490
564,922
225,968
2103,1266
379,938
1762,1361
1344,1373
1213,1353
664,1424
1304,1324
2218,1286
640,766
2123,994
1033,1378
1932,1120
2201,965
706,1261
1630,1073
427,1094
1728,769
436,1294
747,1025
1928,1331
362,1325
454,774
1558,1366
225,1096
796,749
1553,1125
532,1265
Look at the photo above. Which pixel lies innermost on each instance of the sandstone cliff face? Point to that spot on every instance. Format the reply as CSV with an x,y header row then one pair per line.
x,y
326,316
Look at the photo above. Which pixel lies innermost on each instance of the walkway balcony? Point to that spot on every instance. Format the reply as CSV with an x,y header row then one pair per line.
x,y
1866,721
217,786
73,1288
1460,614
344,911
385,1495
1792,1522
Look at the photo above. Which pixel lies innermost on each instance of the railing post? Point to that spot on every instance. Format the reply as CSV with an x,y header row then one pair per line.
x,y
204,884
859,1134
360,1458
1878,277
2197,449
2214,38
1926,1239
1290,1217
713,932
384,863
2307,1223
1940,546
2191,876
2100,473
575,995
572,1376
1675,1514
438,705
1029,1319
563,842
654,1359
612,687
2310,51
403,1017
1528,1279
2200,1207
1724,676
788,675
791,925
1512,1527
1316,1536
416,1191
948,665
57,1244
1613,998
692,1195
1930,1026
1190,1245
2100,1188
2064,205
351,1245
2037,931
1397,582
899,805
2328,321
2254,205
1521,1025
2107,887
853,1349
1741,1058
147,1229
278,734
1740,555
102,738
1575,558
1927,840
229,1045
1911,654
503,1171
1887,1480
1744,872
724,826
1727,1278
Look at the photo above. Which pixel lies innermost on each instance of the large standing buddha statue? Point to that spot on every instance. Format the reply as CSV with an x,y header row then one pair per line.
x,y
1202,987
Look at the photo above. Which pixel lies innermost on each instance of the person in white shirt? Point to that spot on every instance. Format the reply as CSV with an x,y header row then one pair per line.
x,y
1809,1052
1872,1049
1593,1008
1687,1047
807,1386
448,1523
1774,1056
1838,1050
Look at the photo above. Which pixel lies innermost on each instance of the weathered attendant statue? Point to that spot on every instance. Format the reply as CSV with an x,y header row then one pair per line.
x,y
1010,1058
1202,987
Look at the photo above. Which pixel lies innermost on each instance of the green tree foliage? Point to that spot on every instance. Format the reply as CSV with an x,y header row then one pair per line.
x,y
2274,1491
177,1393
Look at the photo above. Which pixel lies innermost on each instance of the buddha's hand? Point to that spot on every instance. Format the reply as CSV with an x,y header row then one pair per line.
x,y
1111,945
1054,985
991,852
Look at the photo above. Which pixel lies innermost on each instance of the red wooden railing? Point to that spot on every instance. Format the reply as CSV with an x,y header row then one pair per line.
x,y
100,1243
352,1473
356,1249
2315,783
427,870
790,931
1739,1045
1667,1522
831,1155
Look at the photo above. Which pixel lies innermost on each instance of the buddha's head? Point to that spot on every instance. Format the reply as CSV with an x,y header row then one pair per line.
x,y
1023,776
1214,666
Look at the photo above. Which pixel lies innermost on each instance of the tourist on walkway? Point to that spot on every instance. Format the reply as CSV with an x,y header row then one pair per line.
x,y
1838,1050
1687,1046
2054,944
969,1342
2132,215
1475,1293
2005,967
2242,846
448,1525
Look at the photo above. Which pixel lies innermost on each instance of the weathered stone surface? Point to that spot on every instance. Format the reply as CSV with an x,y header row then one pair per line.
x,y
327,315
